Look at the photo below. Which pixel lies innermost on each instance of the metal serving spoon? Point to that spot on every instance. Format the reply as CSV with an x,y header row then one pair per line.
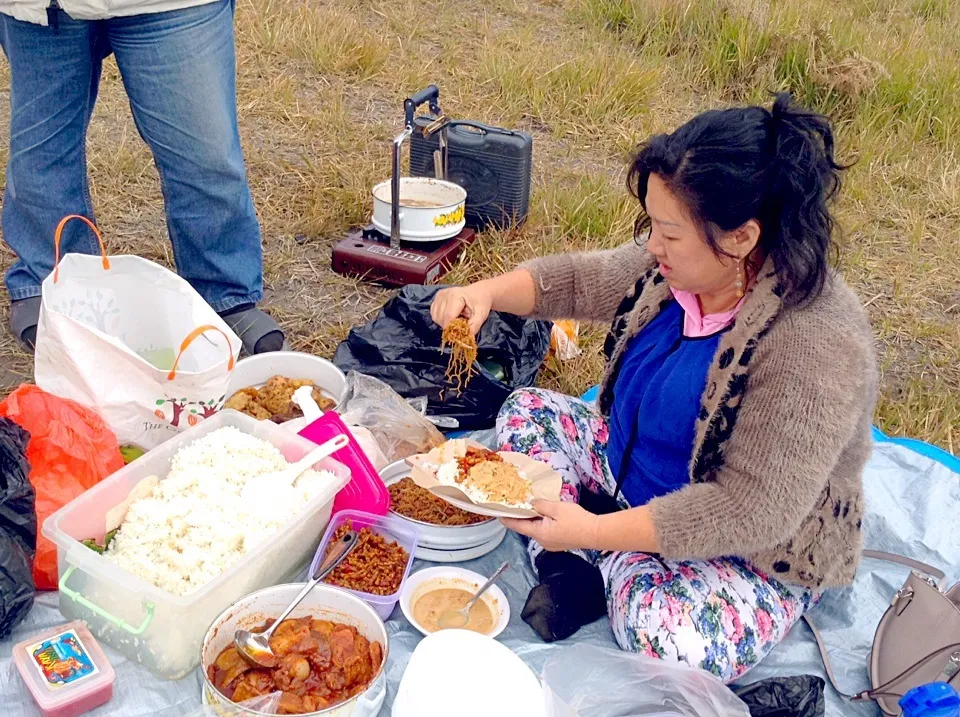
x,y
255,647
451,619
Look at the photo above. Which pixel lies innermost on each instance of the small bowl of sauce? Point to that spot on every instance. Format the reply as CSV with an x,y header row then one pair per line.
x,y
428,608
429,593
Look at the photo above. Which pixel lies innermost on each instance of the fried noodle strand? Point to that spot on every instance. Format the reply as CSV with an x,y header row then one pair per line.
x,y
463,352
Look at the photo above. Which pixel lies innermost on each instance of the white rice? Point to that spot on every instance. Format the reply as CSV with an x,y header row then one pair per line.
x,y
448,473
198,522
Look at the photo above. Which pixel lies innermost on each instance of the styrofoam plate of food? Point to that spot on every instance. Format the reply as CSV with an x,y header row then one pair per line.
x,y
477,480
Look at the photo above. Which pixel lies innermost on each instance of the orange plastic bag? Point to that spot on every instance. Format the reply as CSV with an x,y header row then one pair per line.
x,y
70,450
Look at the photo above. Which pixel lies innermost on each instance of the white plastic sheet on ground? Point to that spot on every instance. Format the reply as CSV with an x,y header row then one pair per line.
x,y
591,681
912,507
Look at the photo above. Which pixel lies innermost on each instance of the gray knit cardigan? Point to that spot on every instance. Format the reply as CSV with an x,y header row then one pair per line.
x,y
783,430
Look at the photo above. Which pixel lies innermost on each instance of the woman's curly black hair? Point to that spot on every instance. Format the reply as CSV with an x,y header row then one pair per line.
x,y
733,165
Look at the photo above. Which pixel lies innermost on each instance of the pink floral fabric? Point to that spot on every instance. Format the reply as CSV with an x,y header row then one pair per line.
x,y
720,615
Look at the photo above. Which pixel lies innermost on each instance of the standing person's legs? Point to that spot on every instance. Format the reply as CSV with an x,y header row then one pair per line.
x,y
53,87
722,615
179,70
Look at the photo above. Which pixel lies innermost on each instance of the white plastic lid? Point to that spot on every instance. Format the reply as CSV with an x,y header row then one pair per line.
x,y
469,674
63,666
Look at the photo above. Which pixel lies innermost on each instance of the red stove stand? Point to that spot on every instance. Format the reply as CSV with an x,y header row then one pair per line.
x,y
366,254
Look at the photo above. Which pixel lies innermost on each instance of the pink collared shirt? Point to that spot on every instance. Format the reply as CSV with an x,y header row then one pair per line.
x,y
695,324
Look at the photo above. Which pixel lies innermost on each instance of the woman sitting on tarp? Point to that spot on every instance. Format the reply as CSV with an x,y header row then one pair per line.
x,y
716,488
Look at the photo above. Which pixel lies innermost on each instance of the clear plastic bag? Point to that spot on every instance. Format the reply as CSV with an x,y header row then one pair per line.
x,y
591,681
265,705
564,340
398,428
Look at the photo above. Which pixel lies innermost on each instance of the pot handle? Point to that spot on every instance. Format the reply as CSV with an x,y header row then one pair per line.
x,y
366,703
97,610
429,94
475,133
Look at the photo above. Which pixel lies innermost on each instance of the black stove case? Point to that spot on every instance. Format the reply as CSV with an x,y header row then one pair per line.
x,y
494,165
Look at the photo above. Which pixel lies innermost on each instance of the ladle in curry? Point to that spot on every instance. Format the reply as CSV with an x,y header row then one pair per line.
x,y
255,647
452,619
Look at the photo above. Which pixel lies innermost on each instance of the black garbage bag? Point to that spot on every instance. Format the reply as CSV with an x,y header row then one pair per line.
x,y
18,527
800,696
401,347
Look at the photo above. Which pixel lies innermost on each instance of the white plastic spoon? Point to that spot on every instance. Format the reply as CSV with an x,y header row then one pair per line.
x,y
286,477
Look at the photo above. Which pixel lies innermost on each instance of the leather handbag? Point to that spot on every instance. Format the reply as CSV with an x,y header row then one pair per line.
x,y
916,642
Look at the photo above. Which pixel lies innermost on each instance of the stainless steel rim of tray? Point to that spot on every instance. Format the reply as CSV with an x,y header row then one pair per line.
x,y
438,555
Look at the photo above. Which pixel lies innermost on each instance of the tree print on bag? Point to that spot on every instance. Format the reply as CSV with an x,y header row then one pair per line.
x,y
196,411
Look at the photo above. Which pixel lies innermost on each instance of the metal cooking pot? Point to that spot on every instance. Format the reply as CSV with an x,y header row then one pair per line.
x,y
324,602
430,209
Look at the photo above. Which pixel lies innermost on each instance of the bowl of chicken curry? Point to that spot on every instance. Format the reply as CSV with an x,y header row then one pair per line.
x,y
331,653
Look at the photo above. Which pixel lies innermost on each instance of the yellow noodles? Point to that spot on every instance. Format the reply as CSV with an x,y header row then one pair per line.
x,y
463,352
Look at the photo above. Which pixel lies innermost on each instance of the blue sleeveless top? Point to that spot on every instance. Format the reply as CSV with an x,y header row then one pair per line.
x,y
656,398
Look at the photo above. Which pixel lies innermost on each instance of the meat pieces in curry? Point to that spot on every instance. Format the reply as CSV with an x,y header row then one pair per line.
x,y
320,664
274,401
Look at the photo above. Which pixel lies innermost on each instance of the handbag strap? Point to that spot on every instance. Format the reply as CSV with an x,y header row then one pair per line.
x,y
933,572
879,691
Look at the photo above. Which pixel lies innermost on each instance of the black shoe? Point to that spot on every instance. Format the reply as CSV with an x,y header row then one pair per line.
x,y
571,594
24,317
256,329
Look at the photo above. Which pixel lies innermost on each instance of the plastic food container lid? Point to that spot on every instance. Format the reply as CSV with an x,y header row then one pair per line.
x,y
937,699
365,491
65,670
393,530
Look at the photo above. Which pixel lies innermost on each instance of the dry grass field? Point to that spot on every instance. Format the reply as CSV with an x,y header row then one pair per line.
x,y
321,84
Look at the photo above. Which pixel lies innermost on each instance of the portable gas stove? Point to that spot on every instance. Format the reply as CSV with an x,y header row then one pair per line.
x,y
370,254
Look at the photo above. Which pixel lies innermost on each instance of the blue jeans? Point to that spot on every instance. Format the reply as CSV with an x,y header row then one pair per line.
x,y
179,72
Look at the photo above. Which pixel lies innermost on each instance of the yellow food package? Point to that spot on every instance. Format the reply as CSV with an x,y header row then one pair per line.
x,y
563,339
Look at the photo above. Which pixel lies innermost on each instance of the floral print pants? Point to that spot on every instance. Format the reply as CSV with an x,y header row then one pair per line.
x,y
720,615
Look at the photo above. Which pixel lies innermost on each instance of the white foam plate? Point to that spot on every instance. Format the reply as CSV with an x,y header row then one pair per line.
x,y
479,676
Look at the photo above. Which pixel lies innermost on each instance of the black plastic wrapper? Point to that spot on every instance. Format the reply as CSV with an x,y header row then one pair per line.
x,y
401,347
800,696
18,527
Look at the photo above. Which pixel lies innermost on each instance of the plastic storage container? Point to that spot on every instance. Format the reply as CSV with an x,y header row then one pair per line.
x,y
162,631
390,528
365,491
65,670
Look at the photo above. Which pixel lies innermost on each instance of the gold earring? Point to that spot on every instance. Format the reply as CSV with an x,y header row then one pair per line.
x,y
739,279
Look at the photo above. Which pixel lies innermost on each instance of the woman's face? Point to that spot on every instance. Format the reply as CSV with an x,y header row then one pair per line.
x,y
686,260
